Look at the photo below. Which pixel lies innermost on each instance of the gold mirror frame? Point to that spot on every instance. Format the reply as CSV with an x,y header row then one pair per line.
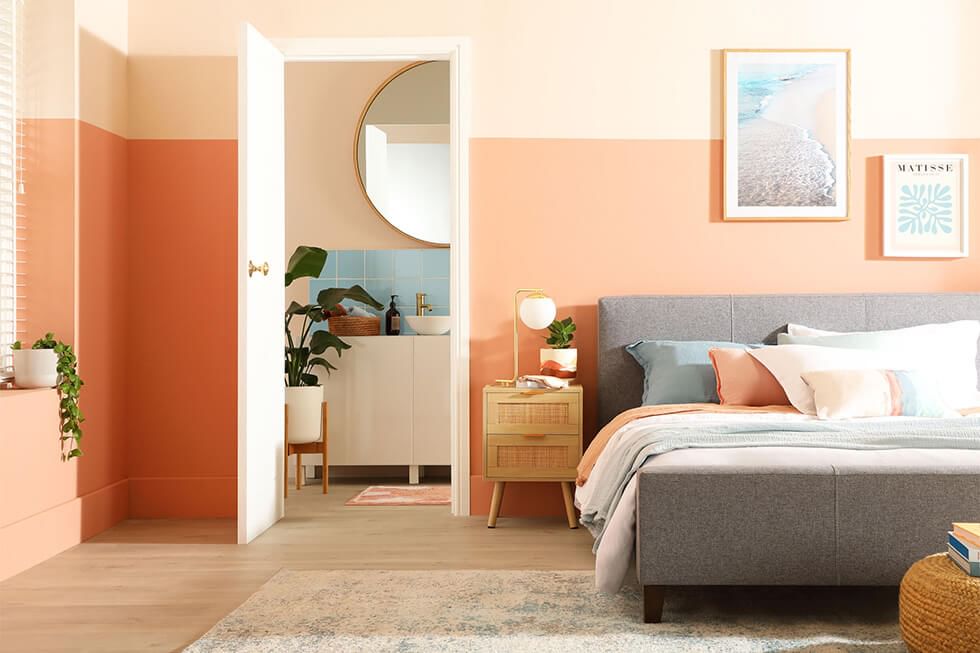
x,y
357,145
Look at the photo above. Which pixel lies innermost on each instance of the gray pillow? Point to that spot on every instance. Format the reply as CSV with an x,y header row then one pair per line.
x,y
678,371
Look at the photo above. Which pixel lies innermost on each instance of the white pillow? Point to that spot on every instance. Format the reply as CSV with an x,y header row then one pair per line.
x,y
788,363
947,352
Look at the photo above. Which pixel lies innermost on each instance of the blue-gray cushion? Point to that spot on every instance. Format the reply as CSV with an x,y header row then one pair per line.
x,y
677,371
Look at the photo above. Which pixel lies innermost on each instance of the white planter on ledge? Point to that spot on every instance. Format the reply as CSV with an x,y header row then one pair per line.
x,y
35,368
303,404
562,363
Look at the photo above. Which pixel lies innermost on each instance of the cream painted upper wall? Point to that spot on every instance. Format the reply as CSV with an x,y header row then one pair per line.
x,y
103,35
48,84
108,20
632,68
324,204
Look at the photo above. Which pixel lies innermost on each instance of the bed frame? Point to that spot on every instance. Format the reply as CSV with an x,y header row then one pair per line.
x,y
800,525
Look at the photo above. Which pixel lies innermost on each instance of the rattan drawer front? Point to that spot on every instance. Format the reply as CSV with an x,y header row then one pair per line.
x,y
532,456
518,412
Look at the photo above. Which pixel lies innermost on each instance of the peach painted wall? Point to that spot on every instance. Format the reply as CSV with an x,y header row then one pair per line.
x,y
596,130
645,217
75,273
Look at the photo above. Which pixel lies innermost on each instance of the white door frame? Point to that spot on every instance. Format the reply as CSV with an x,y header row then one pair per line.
x,y
455,50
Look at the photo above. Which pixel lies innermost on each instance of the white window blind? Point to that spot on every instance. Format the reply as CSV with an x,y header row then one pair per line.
x,y
10,229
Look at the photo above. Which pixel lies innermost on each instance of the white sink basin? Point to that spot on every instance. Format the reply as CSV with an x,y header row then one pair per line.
x,y
429,325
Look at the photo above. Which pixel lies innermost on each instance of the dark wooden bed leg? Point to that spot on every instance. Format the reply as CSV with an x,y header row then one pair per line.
x,y
653,604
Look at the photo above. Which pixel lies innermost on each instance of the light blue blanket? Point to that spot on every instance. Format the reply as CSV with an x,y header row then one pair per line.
x,y
627,452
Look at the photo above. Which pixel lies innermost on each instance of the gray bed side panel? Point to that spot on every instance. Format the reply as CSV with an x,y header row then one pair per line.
x,y
889,518
707,527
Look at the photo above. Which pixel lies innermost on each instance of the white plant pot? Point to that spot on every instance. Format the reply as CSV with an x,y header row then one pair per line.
x,y
35,368
304,413
562,363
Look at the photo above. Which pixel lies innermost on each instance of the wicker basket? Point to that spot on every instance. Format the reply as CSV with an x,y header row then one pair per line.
x,y
350,325
939,607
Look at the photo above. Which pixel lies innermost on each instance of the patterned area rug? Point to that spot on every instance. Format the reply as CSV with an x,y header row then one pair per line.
x,y
542,612
402,495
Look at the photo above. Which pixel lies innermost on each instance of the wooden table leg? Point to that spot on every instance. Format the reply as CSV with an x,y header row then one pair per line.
x,y
324,444
566,493
299,471
498,495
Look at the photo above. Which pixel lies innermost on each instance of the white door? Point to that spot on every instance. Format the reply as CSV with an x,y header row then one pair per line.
x,y
261,295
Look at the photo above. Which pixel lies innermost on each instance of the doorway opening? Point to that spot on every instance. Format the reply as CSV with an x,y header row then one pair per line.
x,y
263,89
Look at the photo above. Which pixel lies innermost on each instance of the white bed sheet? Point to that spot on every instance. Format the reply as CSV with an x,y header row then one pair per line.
x,y
614,557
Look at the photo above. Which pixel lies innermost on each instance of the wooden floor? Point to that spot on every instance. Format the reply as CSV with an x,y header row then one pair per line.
x,y
158,585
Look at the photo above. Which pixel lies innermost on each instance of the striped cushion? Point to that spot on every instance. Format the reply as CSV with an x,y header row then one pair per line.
x,y
841,394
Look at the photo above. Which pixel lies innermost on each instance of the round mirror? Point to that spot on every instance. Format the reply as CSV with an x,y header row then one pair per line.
x,y
402,152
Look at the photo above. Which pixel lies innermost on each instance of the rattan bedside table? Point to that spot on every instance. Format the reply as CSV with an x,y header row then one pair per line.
x,y
531,435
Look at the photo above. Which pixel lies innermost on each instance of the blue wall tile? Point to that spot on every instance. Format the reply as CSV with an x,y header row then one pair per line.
x,y
408,263
330,267
379,264
350,264
406,289
380,289
436,291
386,272
435,263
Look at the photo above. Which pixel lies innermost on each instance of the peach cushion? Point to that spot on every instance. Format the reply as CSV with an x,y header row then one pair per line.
x,y
744,381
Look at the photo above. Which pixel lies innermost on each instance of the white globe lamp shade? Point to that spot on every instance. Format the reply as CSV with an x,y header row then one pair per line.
x,y
538,311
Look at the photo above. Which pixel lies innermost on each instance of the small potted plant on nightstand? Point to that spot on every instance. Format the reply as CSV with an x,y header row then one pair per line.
x,y
560,359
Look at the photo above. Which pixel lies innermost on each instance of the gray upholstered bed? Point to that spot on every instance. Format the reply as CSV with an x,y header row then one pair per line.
x,y
798,524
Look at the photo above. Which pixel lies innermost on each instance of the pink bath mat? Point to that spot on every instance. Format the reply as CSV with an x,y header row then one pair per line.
x,y
402,495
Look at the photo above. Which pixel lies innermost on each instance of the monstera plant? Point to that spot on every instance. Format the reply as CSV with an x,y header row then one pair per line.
x,y
305,352
306,349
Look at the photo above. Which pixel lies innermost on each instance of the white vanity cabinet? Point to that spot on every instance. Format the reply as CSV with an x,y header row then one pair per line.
x,y
389,402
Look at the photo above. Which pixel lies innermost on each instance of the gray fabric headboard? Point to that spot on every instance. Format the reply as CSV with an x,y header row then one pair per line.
x,y
749,319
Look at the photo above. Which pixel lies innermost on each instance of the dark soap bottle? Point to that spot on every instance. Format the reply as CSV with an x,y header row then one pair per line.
x,y
393,319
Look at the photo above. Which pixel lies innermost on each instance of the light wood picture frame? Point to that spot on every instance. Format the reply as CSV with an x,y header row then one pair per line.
x,y
925,205
787,133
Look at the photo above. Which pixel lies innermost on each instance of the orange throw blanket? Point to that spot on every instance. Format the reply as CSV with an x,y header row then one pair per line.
x,y
602,439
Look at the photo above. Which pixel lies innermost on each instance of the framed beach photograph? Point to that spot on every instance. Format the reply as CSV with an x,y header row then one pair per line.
x,y
925,208
786,134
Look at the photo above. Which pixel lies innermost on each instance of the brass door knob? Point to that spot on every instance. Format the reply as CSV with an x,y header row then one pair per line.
x,y
253,268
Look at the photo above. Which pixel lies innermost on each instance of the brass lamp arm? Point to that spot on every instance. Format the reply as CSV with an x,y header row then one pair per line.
x,y
517,294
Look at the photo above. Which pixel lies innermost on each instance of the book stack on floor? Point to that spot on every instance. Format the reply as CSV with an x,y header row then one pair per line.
x,y
963,547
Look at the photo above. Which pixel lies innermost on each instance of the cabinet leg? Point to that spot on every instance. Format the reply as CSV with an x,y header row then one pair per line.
x,y
498,495
566,493
325,444
413,474
285,453
299,471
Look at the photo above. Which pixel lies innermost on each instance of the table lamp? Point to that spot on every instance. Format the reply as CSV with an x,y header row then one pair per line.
x,y
536,311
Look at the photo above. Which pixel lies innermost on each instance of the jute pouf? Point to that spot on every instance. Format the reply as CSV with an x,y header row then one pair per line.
x,y
939,607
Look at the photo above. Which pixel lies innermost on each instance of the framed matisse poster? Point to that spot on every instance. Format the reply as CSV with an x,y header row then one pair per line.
x,y
786,134
925,209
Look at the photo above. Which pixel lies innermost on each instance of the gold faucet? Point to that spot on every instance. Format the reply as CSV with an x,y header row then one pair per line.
x,y
420,306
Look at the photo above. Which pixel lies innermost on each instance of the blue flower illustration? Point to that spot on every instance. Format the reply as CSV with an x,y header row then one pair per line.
x,y
925,209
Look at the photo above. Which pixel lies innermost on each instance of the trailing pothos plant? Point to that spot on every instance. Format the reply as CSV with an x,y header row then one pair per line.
x,y
305,353
561,333
69,387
